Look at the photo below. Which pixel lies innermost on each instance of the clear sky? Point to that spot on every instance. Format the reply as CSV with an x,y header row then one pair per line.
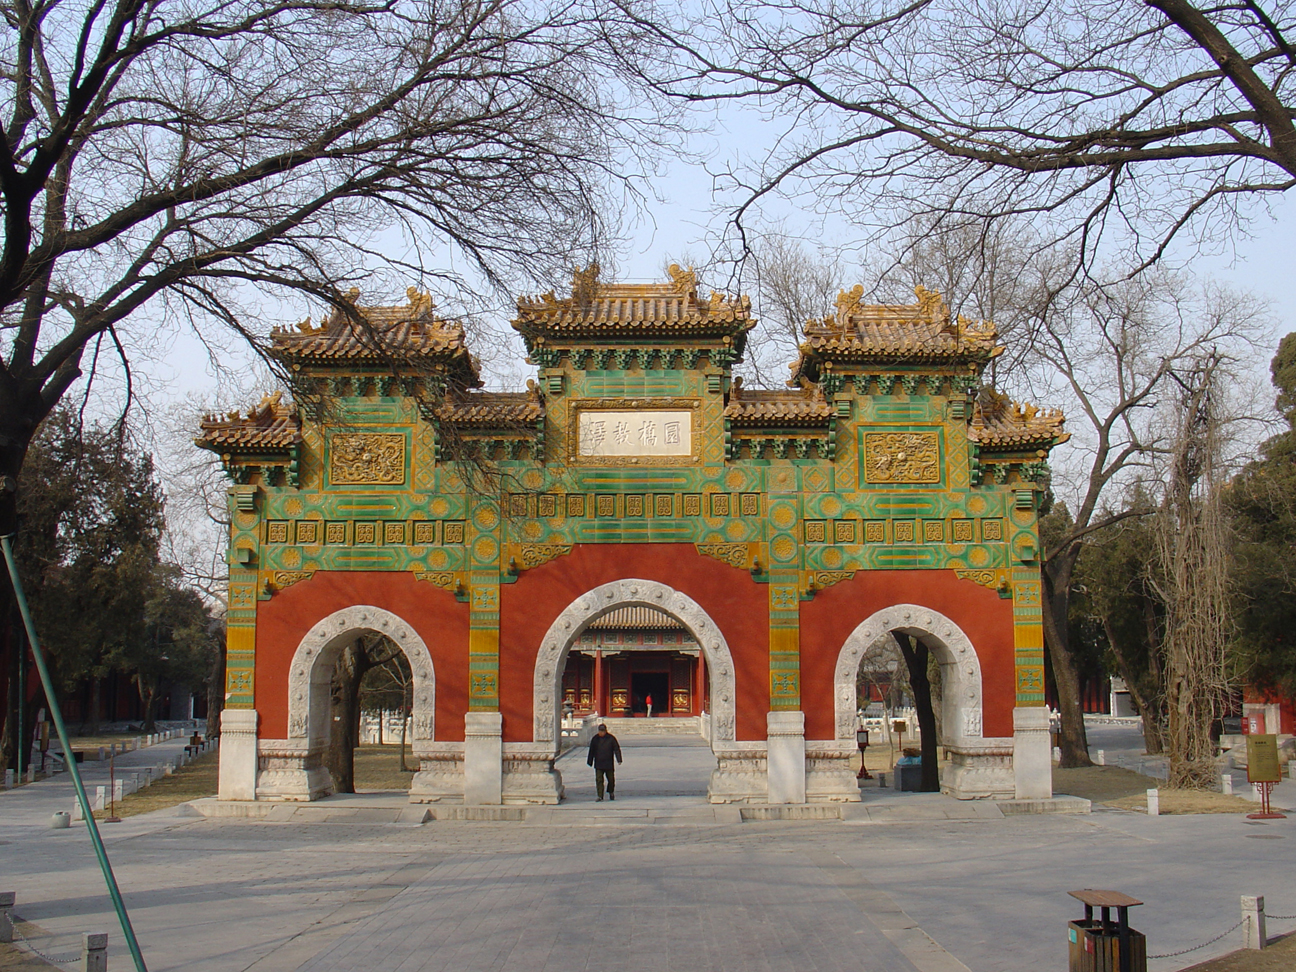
x,y
685,222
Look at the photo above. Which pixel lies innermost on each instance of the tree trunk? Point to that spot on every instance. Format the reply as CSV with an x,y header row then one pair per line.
x,y
149,697
345,714
216,694
404,723
915,656
1056,603
1152,739
92,721
9,735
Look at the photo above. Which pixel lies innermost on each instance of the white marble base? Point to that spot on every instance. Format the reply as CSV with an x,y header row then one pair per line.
x,y
1032,753
530,777
980,769
291,772
483,758
786,759
829,776
741,774
440,778
237,779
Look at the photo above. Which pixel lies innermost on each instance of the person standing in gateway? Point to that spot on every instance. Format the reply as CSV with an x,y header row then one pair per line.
x,y
604,754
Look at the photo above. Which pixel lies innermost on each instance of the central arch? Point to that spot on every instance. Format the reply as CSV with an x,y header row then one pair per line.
x,y
733,779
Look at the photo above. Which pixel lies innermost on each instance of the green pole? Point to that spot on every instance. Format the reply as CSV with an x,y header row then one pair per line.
x,y
70,759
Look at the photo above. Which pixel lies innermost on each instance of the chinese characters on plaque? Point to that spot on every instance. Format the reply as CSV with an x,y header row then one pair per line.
x,y
638,433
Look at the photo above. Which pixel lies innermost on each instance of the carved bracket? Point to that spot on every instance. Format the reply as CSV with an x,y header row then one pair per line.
x,y
451,580
524,556
994,578
734,554
817,580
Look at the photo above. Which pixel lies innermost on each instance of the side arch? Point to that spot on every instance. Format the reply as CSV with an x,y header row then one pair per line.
x,y
960,669
311,672
633,592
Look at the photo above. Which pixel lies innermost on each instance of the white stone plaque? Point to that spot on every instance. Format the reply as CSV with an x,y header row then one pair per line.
x,y
647,432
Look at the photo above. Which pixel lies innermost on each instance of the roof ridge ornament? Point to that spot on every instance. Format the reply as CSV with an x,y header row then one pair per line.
x,y
849,302
685,281
930,304
585,284
420,302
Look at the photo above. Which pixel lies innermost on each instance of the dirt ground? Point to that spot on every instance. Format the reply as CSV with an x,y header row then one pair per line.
x,y
16,959
1280,956
1127,790
378,768
190,782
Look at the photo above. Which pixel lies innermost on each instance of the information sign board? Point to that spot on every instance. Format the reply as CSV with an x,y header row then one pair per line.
x,y
1262,758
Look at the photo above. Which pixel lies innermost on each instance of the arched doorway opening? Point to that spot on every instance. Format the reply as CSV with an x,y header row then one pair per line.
x,y
739,774
299,769
979,766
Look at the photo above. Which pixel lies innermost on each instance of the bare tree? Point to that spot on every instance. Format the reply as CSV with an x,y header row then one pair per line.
x,y
794,285
169,160
1104,353
1134,121
1192,575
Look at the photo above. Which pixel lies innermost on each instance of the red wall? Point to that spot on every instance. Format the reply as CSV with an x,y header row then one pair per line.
x,y
828,620
738,605
440,620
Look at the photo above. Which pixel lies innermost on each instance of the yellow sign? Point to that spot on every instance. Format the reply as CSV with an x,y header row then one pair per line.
x,y
1262,759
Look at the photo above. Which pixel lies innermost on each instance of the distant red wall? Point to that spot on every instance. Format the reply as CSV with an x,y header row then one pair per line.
x,y
828,620
440,620
738,605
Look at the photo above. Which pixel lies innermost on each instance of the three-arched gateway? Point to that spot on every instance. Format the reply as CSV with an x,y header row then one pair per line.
x,y
766,539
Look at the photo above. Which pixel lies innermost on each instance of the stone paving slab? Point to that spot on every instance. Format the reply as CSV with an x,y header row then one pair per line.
x,y
679,906
933,884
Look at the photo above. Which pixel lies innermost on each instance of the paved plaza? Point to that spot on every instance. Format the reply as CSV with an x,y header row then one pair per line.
x,y
656,881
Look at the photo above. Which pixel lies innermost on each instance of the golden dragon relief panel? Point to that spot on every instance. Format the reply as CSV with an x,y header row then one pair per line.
x,y
367,459
902,457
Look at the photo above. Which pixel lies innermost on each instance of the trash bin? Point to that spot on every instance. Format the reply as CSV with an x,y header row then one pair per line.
x,y
908,773
1103,945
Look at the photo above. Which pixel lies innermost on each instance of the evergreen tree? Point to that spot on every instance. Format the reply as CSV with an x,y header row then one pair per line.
x,y
1262,499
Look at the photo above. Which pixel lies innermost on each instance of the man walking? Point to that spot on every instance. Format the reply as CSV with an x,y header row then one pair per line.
x,y
604,754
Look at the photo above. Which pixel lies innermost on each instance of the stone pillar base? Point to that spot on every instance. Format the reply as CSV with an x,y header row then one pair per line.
x,y
440,778
291,772
980,772
1032,753
786,748
483,759
237,779
530,778
740,776
829,777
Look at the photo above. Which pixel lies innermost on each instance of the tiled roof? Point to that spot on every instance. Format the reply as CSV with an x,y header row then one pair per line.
x,y
763,408
408,333
922,331
493,409
271,426
637,617
1000,424
598,308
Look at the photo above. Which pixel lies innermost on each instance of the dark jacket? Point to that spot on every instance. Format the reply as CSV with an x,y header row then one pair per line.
x,y
602,751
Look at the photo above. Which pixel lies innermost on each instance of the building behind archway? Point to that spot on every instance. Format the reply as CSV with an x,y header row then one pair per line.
x,y
886,489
